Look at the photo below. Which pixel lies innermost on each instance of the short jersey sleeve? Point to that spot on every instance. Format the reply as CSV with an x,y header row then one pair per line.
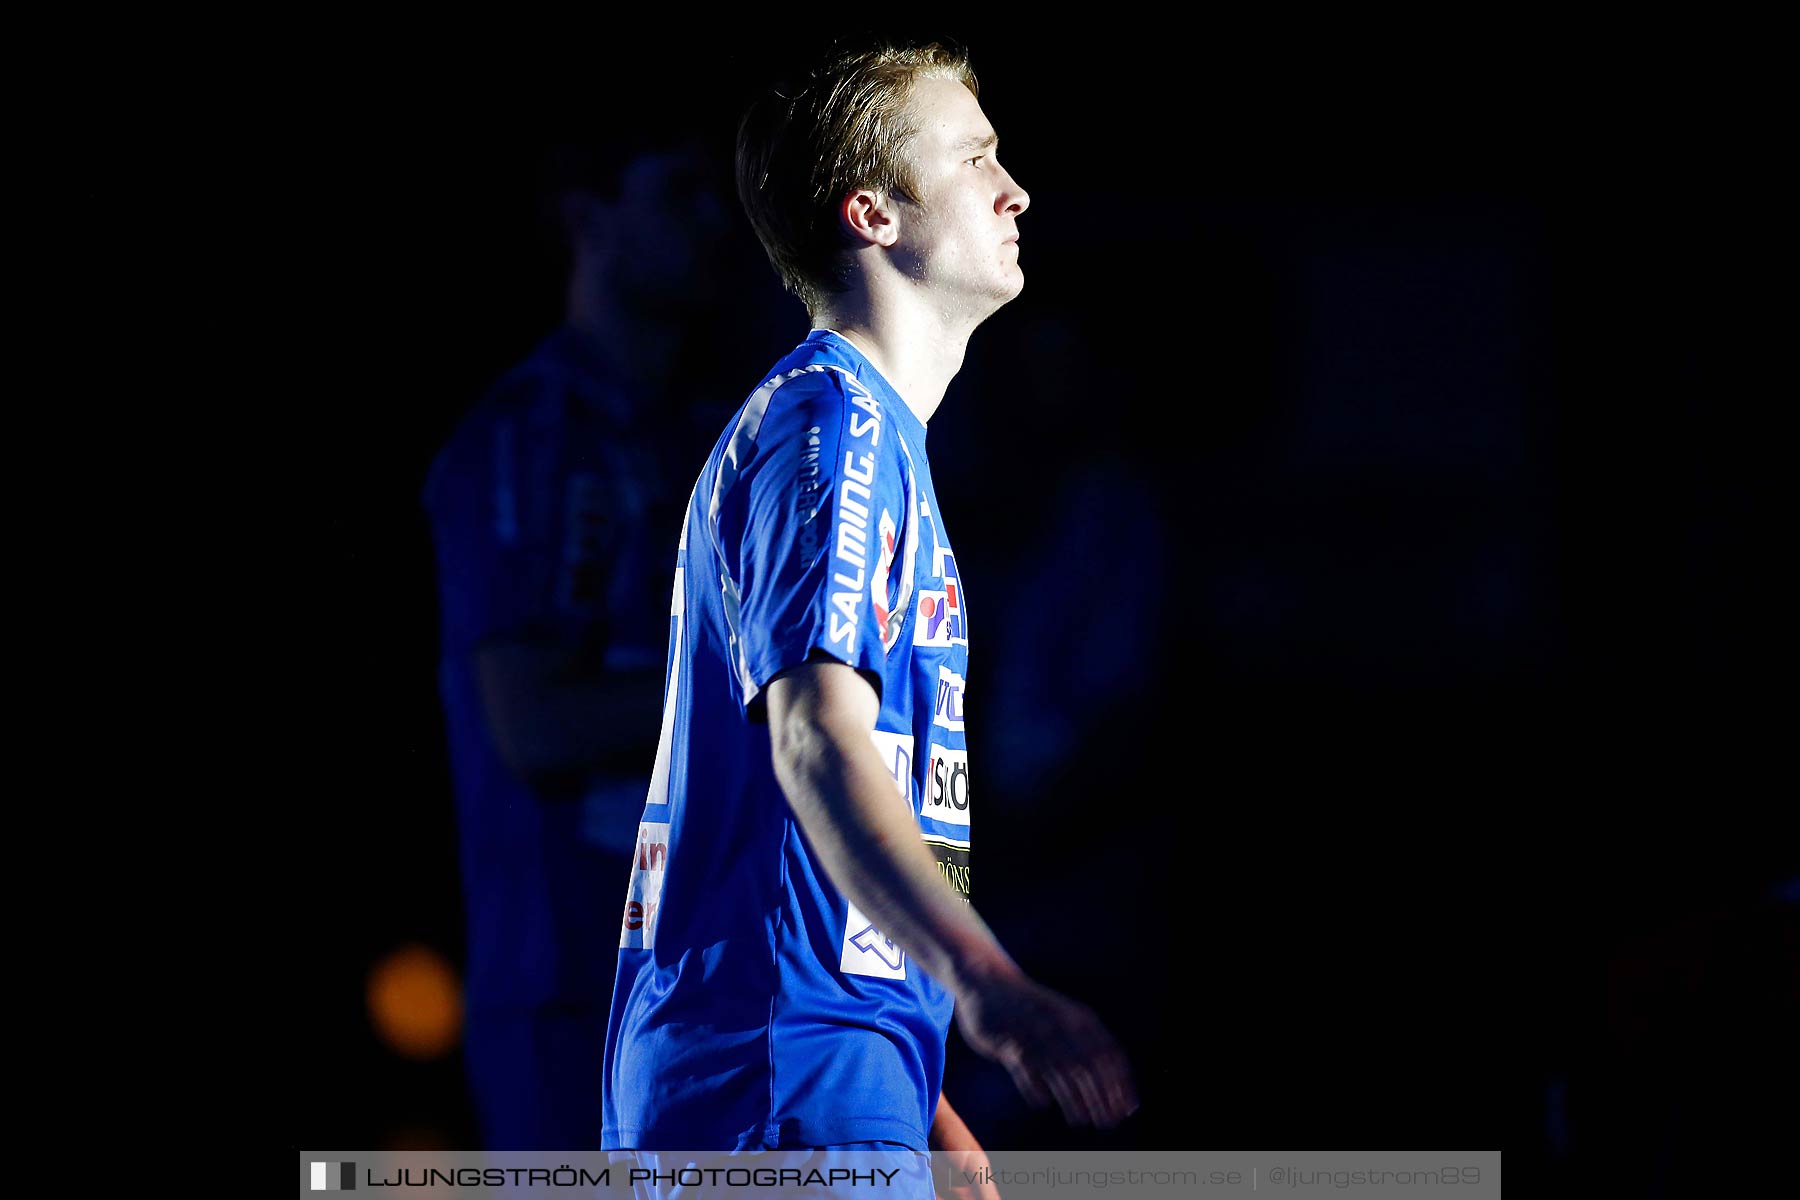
x,y
825,539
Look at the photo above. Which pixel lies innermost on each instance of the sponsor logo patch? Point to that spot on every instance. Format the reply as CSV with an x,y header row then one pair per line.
x,y
947,786
947,709
868,951
897,756
953,865
643,899
808,485
850,556
940,620
878,582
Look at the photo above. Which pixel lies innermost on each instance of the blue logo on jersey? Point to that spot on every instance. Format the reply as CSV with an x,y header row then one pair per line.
x,y
872,941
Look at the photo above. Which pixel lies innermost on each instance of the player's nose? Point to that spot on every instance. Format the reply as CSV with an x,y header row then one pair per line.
x,y
1012,199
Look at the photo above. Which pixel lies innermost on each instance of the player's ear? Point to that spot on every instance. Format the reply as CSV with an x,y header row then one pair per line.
x,y
869,217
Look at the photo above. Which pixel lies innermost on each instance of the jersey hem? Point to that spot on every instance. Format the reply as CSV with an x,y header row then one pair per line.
x,y
798,1134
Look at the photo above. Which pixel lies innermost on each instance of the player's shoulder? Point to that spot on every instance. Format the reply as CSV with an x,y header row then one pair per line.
x,y
813,384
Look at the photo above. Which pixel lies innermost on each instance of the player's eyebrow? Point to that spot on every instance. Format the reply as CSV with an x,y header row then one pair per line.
x,y
977,141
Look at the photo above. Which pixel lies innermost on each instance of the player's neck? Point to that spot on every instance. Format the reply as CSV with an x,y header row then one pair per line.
x,y
915,350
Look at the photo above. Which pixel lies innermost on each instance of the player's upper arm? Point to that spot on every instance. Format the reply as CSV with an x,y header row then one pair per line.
x,y
821,697
816,535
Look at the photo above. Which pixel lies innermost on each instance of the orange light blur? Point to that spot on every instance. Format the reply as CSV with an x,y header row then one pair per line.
x,y
415,1002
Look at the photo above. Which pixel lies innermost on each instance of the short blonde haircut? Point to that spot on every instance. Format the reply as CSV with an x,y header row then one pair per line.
x,y
818,135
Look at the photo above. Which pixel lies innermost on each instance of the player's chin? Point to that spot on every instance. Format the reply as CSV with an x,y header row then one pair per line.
x,y
1002,292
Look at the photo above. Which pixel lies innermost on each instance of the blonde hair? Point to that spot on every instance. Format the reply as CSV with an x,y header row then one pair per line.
x,y
818,135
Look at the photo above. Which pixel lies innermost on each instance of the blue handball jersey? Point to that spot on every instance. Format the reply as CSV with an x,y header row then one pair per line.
x,y
754,1005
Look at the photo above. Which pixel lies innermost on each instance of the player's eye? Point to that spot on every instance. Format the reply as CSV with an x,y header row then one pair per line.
x,y
976,159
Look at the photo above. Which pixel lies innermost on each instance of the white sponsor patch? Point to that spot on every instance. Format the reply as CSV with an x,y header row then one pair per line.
x,y
940,620
643,900
947,707
897,756
868,951
947,786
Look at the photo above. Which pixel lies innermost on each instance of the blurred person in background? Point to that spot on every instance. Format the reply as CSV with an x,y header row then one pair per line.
x,y
799,932
554,508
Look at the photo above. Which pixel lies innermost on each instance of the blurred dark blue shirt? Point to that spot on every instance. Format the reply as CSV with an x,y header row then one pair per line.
x,y
544,507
